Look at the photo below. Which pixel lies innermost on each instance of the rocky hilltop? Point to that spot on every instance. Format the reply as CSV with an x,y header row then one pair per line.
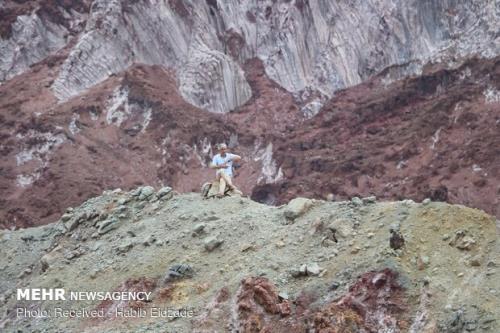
x,y
398,99
240,266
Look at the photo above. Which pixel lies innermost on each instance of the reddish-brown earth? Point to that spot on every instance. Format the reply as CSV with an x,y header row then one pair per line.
x,y
374,303
373,139
369,139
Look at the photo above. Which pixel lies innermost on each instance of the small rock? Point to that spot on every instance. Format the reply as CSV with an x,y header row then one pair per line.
x,y
295,273
94,273
396,240
462,241
136,192
66,217
211,243
426,201
297,207
178,271
475,261
334,286
108,225
49,259
369,200
283,296
313,269
164,191
149,241
357,201
125,247
330,197
199,229
146,192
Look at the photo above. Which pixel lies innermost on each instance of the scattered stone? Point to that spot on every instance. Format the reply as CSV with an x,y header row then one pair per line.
x,y
408,202
165,192
66,217
136,192
146,192
211,243
178,271
94,273
27,271
422,262
334,286
297,207
150,240
475,261
247,247
426,201
311,269
355,250
199,229
330,197
396,241
280,244
369,200
49,259
357,201
211,218
125,247
108,225
462,241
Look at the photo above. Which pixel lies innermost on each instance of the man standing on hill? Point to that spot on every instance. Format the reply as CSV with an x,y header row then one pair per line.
x,y
223,163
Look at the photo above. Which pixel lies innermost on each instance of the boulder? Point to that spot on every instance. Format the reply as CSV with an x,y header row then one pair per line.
x,y
297,207
357,201
146,192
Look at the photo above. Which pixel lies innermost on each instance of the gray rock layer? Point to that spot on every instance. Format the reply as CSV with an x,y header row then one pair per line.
x,y
310,48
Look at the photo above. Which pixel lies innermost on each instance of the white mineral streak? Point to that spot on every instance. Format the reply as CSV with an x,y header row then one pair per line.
x,y
270,173
73,127
35,157
492,95
118,108
45,142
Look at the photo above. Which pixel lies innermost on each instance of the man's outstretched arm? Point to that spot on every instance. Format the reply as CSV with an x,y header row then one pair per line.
x,y
235,158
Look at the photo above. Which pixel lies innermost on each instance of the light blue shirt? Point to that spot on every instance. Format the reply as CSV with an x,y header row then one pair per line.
x,y
219,160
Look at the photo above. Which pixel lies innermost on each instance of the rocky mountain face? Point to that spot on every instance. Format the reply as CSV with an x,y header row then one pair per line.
x,y
322,98
241,266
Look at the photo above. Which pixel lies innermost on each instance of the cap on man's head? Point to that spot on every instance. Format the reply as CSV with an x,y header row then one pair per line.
x,y
222,146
